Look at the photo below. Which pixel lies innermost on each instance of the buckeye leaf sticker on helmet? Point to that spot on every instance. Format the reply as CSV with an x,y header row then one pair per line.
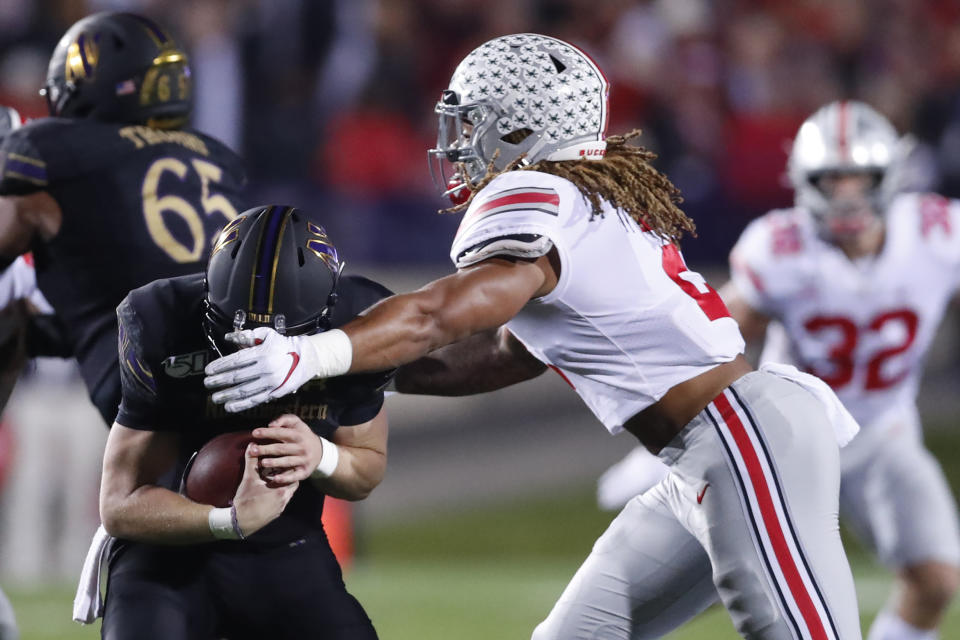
x,y
519,95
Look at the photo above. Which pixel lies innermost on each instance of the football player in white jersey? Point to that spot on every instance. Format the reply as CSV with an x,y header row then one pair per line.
x,y
859,274
19,296
569,242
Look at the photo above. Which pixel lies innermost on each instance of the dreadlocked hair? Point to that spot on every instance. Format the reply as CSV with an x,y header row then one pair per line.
x,y
624,178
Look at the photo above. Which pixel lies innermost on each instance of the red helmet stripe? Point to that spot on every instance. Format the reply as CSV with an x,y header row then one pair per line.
x,y
842,131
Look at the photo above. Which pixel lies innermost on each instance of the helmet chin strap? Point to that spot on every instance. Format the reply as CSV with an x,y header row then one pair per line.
x,y
325,315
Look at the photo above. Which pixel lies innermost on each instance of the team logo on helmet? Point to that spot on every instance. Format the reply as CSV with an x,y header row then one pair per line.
x,y
520,95
517,69
227,235
321,246
82,56
266,276
119,67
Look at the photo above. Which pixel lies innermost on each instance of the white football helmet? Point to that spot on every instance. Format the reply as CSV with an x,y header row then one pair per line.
x,y
844,137
519,94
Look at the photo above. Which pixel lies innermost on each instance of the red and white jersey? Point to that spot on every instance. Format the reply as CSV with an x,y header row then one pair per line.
x,y
19,281
864,327
627,320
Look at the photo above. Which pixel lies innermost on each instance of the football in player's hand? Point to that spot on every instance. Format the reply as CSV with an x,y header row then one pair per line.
x,y
216,470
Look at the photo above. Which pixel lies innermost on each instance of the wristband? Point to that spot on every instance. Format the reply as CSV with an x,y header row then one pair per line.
x,y
332,353
328,461
224,525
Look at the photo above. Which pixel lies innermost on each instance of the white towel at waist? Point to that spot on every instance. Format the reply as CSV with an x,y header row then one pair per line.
x,y
844,426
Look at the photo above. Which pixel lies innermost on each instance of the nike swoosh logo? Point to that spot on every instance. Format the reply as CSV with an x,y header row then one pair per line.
x,y
296,361
702,491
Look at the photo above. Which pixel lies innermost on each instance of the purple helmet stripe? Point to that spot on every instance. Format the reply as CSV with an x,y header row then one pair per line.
x,y
81,42
267,255
152,27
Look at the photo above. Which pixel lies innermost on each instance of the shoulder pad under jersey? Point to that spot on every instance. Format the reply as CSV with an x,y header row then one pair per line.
x,y
137,378
765,259
23,166
356,294
514,215
151,319
934,219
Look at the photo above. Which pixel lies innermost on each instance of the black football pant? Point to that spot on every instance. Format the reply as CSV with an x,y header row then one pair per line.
x,y
230,590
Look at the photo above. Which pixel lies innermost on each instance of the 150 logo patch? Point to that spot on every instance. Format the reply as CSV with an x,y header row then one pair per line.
x,y
186,364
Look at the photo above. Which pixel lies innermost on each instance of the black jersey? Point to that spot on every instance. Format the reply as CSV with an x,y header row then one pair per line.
x,y
163,352
138,204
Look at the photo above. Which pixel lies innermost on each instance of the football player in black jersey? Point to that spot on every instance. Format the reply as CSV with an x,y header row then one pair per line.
x,y
110,192
262,568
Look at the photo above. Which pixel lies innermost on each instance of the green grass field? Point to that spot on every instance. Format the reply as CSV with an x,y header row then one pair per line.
x,y
491,572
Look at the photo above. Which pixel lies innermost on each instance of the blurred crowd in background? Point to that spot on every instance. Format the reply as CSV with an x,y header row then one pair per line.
x,y
331,101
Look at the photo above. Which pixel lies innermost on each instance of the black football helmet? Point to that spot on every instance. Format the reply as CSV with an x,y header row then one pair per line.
x,y
119,67
271,266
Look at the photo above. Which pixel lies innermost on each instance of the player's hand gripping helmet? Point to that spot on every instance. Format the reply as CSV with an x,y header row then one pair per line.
x,y
519,94
119,67
843,138
272,266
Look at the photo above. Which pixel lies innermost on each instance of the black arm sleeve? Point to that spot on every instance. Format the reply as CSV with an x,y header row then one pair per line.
x,y
22,168
140,406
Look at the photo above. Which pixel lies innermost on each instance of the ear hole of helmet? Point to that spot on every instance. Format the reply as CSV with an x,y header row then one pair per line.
x,y
517,135
300,259
559,66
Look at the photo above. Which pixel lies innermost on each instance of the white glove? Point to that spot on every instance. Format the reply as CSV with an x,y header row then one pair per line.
x,y
270,365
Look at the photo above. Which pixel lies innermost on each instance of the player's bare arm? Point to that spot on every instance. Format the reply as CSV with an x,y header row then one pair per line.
x,y
395,331
403,328
753,323
361,451
134,507
484,362
22,218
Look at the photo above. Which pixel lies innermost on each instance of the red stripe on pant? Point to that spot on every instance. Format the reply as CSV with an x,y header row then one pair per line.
x,y
771,523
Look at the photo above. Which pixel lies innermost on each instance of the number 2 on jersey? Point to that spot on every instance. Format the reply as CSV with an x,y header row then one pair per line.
x,y
693,284
155,205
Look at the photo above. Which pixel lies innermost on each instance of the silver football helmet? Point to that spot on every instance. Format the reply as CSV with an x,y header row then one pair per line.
x,y
519,94
844,138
